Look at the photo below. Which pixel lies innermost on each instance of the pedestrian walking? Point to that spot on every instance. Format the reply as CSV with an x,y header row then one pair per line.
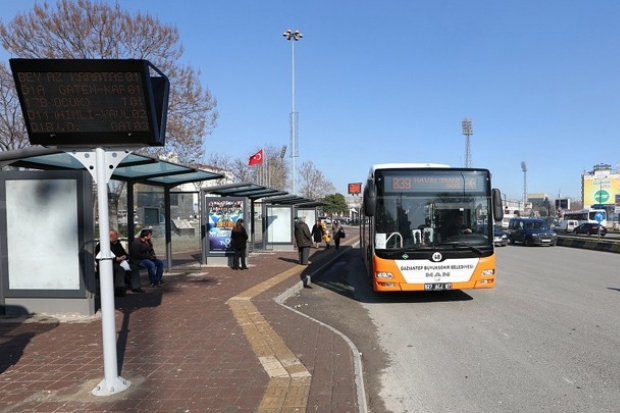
x,y
304,240
317,233
337,232
327,238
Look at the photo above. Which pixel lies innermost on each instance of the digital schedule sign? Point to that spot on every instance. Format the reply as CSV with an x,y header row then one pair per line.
x,y
435,182
86,102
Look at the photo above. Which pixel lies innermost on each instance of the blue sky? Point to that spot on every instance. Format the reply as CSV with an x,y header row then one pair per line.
x,y
391,81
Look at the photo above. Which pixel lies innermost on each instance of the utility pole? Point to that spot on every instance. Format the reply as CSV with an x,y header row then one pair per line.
x,y
524,169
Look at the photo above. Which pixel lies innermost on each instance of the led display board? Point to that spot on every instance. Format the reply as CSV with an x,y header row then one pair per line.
x,y
355,188
92,102
423,181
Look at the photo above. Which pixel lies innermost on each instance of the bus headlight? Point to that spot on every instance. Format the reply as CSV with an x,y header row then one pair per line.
x,y
385,275
487,273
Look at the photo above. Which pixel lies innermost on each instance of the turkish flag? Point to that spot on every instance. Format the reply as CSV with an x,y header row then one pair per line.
x,y
256,158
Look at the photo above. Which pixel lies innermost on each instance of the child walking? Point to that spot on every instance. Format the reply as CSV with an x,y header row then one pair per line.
x,y
327,238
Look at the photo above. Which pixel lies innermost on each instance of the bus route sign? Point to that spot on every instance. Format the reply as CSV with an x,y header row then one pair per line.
x,y
92,102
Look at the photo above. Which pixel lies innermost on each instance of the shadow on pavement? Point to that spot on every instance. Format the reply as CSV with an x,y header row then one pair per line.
x,y
127,305
15,334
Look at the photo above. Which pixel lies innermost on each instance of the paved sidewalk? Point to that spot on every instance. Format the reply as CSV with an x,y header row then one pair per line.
x,y
211,340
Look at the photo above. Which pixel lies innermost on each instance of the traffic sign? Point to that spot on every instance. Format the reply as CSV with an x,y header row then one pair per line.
x,y
598,216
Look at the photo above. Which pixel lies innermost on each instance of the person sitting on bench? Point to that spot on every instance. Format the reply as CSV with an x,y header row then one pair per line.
x,y
141,253
123,274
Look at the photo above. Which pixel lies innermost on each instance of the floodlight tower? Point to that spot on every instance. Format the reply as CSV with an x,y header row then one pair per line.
x,y
467,131
524,169
294,36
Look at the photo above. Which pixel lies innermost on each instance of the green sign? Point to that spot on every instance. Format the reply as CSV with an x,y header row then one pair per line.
x,y
601,196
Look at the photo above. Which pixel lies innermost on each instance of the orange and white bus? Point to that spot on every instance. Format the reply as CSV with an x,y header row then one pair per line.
x,y
414,239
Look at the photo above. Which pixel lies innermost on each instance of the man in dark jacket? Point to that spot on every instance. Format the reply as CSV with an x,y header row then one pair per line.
x,y
304,240
122,275
141,253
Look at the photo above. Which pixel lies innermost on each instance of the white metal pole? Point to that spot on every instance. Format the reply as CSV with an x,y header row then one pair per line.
x,y
112,383
101,166
293,120
293,36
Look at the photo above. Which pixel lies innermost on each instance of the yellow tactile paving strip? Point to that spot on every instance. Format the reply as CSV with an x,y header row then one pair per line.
x,y
289,380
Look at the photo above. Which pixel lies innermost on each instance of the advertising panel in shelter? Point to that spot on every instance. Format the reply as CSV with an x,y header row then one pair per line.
x,y
222,214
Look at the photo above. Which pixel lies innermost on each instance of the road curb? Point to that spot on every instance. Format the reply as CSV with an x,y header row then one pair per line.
x,y
590,244
357,359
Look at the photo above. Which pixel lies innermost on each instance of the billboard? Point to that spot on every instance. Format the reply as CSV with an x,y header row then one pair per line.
x,y
222,214
355,188
600,189
562,203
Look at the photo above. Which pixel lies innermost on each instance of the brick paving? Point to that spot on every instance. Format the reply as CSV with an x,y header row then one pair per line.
x,y
211,340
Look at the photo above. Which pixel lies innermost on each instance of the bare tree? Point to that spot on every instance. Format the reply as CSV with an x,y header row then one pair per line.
x,y
314,185
88,30
270,172
241,170
273,172
13,133
219,161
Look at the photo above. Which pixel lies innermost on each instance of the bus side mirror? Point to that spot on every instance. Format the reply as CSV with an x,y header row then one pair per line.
x,y
498,209
370,199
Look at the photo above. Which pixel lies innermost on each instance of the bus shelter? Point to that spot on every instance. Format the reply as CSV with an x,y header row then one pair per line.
x,y
278,219
268,214
221,207
47,221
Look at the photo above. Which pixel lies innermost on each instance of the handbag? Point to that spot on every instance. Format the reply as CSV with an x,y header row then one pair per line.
x,y
341,232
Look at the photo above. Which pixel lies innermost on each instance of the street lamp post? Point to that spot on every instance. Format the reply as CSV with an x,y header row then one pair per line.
x,y
294,36
524,169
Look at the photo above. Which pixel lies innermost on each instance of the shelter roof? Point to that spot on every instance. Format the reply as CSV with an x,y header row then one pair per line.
x,y
147,170
244,189
133,168
297,201
268,195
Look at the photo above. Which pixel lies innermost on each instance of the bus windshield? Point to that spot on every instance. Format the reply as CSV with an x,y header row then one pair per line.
x,y
439,209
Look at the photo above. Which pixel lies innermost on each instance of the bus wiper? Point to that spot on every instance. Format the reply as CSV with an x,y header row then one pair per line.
x,y
463,245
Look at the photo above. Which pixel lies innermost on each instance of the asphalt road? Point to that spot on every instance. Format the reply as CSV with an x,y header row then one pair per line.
x,y
545,339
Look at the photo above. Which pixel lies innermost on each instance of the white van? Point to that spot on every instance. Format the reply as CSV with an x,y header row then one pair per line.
x,y
566,226
506,220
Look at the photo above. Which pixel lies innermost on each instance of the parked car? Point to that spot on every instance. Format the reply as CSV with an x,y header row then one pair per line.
x,y
531,231
590,228
500,238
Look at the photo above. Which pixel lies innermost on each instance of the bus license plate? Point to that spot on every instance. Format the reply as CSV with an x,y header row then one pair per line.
x,y
438,287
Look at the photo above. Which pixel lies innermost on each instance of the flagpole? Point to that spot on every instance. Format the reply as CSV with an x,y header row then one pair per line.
x,y
262,168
